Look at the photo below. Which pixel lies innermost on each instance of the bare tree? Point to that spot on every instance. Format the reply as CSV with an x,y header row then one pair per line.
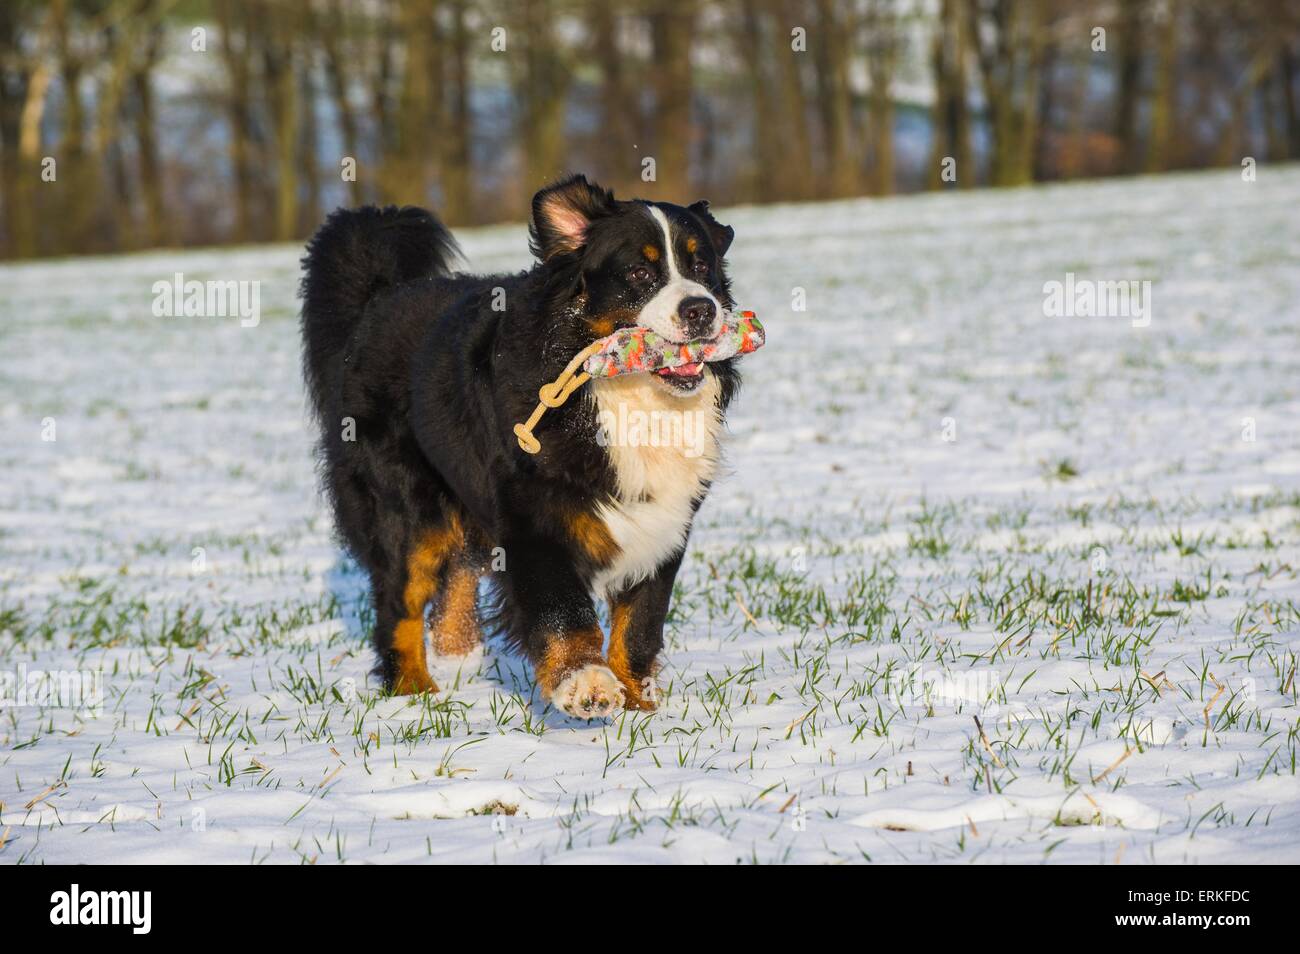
x,y
763,163
782,145
157,224
332,28
1165,21
1288,74
835,27
237,58
541,82
277,49
619,103
1129,33
882,45
672,25
309,146
1009,41
950,118
412,165
25,85
756,100
457,162
81,192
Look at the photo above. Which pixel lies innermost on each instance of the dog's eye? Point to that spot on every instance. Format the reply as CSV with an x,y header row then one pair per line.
x,y
700,268
639,274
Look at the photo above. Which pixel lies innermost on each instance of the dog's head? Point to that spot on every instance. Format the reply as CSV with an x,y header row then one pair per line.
x,y
620,264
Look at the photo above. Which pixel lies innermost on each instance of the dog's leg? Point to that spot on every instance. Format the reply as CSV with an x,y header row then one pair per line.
x,y
575,679
399,641
456,629
636,633
550,613
400,599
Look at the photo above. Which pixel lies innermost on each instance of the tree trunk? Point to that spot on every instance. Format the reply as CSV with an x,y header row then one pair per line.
x,y
310,146
833,97
236,55
792,109
761,176
882,54
80,193
882,137
950,117
26,233
14,75
959,131
1034,101
619,107
541,87
411,177
1162,97
156,226
1129,40
1287,69
119,43
281,78
332,29
1009,41
457,171
673,30
385,127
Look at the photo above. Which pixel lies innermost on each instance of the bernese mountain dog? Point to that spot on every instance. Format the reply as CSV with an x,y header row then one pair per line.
x,y
417,376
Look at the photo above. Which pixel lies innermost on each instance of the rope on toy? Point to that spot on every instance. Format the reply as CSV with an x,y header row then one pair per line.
x,y
554,394
631,350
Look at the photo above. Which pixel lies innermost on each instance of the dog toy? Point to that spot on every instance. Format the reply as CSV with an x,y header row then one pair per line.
x,y
637,350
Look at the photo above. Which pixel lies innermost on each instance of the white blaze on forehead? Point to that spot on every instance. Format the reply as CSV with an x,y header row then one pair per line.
x,y
660,313
661,220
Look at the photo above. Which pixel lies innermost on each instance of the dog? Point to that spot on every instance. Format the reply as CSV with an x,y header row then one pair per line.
x,y
417,376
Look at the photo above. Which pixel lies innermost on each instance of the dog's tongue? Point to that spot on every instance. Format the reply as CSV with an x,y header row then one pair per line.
x,y
689,370
682,371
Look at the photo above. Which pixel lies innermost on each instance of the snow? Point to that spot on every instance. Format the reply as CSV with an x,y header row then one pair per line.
x,y
1061,525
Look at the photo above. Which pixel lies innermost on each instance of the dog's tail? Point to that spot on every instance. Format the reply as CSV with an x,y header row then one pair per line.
x,y
356,254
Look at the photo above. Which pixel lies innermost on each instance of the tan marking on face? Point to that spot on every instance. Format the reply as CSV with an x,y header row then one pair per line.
x,y
651,253
692,244
606,323
565,653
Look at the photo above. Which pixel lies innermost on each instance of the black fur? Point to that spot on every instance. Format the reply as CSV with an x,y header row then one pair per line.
x,y
433,378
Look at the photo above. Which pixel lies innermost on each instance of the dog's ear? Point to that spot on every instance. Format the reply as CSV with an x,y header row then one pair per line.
x,y
562,213
721,234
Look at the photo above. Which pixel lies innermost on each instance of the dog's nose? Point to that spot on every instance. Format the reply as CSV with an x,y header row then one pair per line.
x,y
697,315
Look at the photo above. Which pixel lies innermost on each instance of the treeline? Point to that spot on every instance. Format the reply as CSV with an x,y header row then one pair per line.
x,y
138,123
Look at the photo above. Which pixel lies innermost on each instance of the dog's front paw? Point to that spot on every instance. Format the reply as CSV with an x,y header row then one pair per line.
x,y
591,692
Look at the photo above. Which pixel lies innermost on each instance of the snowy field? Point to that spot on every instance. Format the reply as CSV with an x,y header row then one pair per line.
x,y
942,506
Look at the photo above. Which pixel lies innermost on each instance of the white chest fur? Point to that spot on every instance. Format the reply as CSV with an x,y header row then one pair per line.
x,y
664,449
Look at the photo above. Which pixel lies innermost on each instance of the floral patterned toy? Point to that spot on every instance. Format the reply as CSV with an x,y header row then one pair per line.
x,y
634,350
